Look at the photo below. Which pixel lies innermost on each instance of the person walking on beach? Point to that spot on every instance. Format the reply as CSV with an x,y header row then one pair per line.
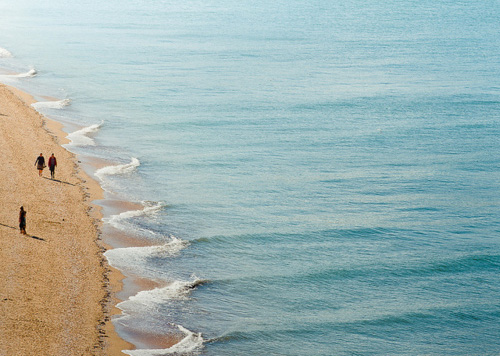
x,y
40,164
22,221
52,165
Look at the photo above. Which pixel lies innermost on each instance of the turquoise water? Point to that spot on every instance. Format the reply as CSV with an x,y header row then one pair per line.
x,y
317,178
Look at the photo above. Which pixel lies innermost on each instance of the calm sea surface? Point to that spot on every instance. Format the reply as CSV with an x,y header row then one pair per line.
x,y
313,177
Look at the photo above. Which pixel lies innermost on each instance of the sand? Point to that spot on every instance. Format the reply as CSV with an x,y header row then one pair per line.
x,y
55,292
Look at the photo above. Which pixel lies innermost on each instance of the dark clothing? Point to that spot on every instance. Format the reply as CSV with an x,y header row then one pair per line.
x,y
22,220
52,166
40,162
52,163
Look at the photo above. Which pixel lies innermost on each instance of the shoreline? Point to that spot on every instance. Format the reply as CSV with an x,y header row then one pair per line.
x,y
58,292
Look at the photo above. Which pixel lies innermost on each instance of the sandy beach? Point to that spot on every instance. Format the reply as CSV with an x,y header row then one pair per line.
x,y
55,289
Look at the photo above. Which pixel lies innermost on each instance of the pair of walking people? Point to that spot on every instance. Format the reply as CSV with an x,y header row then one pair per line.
x,y
40,165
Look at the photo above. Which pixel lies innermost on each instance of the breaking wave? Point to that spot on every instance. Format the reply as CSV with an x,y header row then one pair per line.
x,y
15,77
4,53
150,208
147,302
177,290
81,138
31,73
56,104
118,169
191,342
135,259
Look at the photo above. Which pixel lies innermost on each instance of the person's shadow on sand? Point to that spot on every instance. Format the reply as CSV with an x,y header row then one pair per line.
x,y
32,236
59,181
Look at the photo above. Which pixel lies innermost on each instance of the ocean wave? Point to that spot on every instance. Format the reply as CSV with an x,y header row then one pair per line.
x,y
170,248
29,74
118,169
135,258
191,343
148,299
231,336
16,77
150,208
454,265
4,53
81,138
147,302
54,104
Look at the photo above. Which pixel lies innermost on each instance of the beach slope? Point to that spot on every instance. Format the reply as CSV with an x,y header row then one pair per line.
x,y
53,285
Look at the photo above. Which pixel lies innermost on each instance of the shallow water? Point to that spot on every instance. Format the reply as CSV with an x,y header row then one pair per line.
x,y
312,178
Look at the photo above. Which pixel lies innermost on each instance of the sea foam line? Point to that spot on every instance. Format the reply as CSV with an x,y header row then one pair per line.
x,y
81,138
135,259
150,208
171,248
118,169
54,104
31,73
190,343
4,53
16,77
148,299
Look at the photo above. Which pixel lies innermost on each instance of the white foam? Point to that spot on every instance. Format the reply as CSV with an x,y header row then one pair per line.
x,y
190,343
31,73
135,259
118,169
4,53
150,208
55,104
81,138
171,248
147,300
16,77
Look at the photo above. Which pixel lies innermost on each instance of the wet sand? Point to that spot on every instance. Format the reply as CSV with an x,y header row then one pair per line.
x,y
56,290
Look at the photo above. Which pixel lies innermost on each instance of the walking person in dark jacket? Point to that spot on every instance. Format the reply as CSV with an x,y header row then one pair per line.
x,y
22,221
40,164
52,166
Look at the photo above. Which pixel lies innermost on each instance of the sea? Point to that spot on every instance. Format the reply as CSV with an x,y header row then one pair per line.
x,y
282,177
